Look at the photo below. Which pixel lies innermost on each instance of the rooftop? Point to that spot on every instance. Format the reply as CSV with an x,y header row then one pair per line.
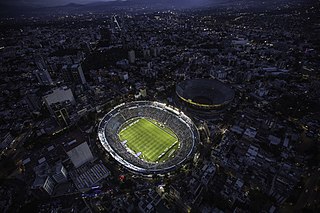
x,y
205,92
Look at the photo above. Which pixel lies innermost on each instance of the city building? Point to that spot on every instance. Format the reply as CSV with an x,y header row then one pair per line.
x,y
33,102
6,141
59,173
43,77
89,175
131,56
73,73
60,103
43,186
78,154
59,95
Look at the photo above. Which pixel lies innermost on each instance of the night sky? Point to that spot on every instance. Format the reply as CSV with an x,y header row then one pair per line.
x,y
48,2
64,2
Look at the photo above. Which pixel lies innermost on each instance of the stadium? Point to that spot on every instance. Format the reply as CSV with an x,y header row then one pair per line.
x,y
148,137
205,93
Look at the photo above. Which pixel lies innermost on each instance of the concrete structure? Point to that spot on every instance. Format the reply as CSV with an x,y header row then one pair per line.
x,y
205,93
59,95
174,119
43,77
80,154
73,73
77,74
43,186
6,141
131,56
59,104
43,183
60,173
33,102
88,175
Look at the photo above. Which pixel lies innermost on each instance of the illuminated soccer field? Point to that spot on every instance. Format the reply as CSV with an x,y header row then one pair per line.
x,y
149,140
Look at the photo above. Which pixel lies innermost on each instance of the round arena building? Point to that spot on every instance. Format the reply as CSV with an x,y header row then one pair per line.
x,y
205,93
148,137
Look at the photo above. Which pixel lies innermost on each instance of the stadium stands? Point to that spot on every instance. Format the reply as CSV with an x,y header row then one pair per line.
x,y
177,121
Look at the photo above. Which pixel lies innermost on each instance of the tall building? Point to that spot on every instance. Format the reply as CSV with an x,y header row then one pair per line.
x,y
124,76
131,56
33,102
40,63
59,173
43,77
73,73
219,73
43,186
80,154
155,51
146,53
77,74
6,140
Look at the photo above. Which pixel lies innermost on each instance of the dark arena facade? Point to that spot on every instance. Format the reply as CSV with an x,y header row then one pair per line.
x,y
210,94
166,116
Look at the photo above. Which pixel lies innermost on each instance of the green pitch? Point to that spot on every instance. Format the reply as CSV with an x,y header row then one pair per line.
x,y
155,142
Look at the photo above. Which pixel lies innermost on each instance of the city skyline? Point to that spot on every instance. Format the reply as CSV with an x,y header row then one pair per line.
x,y
191,3
160,106
49,2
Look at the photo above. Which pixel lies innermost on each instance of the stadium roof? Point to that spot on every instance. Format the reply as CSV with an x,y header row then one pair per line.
x,y
205,92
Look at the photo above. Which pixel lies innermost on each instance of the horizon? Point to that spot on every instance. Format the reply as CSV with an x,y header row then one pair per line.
x,y
183,3
50,2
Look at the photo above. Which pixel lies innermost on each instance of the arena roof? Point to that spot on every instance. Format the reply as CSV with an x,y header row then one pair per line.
x,y
207,93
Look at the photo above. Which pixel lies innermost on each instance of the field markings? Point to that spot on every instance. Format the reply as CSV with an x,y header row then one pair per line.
x,y
149,138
